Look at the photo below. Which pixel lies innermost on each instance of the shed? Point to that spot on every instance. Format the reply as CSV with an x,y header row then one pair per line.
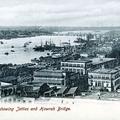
x,y
72,91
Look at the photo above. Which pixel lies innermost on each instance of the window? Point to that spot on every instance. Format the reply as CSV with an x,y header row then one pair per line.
x,y
70,70
91,82
62,68
99,84
66,69
62,64
82,65
103,83
81,72
99,77
103,77
107,77
70,65
78,65
91,76
74,65
74,70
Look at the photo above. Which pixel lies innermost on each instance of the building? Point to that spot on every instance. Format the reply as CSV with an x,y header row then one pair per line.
x,y
77,80
6,89
14,99
77,66
104,79
25,78
104,62
9,79
27,90
51,77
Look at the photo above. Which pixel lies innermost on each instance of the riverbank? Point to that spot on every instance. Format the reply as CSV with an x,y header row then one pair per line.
x,y
27,53
79,109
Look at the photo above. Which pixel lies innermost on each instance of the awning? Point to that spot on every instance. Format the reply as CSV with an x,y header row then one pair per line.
x,y
36,88
62,90
72,91
5,84
47,92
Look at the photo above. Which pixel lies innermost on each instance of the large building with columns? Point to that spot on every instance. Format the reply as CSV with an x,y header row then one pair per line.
x,y
102,78
77,66
104,62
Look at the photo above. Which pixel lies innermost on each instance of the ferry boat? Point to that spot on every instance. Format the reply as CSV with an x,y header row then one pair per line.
x,y
12,51
48,46
1,42
39,48
6,53
12,46
79,40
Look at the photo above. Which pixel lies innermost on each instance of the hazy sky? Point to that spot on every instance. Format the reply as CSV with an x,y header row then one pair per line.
x,y
60,12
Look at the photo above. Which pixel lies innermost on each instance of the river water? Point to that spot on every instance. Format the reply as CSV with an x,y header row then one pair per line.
x,y
24,55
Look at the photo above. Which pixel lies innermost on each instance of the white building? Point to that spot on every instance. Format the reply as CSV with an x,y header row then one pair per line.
x,y
51,77
80,66
104,79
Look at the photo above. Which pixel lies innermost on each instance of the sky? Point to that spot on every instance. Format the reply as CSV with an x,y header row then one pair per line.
x,y
84,13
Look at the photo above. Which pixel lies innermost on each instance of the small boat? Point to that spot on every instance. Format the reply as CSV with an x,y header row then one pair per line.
x,y
39,48
12,51
12,46
30,42
48,54
6,53
1,42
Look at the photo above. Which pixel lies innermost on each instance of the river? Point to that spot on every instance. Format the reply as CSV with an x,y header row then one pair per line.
x,y
24,55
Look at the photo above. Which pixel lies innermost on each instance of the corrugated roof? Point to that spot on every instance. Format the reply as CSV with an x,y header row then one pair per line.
x,y
49,73
5,84
105,71
9,78
48,91
101,60
62,90
80,61
72,90
36,88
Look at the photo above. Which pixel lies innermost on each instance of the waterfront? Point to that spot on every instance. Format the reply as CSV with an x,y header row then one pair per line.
x,y
80,110
24,55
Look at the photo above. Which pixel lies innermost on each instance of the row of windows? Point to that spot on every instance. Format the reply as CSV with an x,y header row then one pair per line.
x,y
62,83
99,77
117,82
99,83
48,77
72,65
81,71
117,75
48,80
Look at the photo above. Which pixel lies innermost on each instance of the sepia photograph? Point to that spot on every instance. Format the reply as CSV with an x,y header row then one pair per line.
x,y
60,59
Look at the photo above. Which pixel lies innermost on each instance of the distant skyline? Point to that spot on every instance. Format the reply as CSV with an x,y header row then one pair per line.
x,y
83,13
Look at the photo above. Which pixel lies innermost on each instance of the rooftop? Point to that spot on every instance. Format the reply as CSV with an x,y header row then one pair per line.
x,y
101,60
8,78
80,61
5,84
49,73
62,90
72,90
105,71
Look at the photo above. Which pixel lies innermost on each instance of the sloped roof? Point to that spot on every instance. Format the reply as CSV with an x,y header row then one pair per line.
x,y
48,91
49,73
62,90
36,88
5,84
8,79
72,90
101,60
